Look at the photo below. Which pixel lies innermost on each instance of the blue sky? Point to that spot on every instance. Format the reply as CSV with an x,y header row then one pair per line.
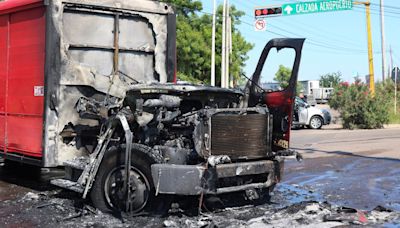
x,y
336,41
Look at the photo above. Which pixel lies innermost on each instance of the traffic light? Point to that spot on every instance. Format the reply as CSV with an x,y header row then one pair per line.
x,y
267,12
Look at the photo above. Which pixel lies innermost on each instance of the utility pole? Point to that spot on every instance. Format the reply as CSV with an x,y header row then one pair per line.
x,y
383,40
223,62
391,63
213,44
227,43
395,90
231,84
370,52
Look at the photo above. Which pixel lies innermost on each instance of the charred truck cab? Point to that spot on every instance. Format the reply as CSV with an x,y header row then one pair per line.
x,y
123,130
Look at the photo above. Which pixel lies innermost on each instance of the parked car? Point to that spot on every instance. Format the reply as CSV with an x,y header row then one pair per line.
x,y
310,116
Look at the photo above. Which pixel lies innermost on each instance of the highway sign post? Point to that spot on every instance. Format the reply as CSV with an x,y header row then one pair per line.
x,y
299,8
316,7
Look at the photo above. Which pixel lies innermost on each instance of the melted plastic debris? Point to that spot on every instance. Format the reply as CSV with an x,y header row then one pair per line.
x,y
66,209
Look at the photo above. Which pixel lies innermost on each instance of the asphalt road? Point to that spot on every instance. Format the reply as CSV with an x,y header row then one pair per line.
x,y
333,142
355,168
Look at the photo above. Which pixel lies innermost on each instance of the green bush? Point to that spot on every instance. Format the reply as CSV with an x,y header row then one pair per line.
x,y
386,91
358,108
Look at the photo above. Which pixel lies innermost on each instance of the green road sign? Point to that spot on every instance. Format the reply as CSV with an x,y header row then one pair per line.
x,y
316,7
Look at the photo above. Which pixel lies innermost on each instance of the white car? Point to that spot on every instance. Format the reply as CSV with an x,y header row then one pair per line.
x,y
307,115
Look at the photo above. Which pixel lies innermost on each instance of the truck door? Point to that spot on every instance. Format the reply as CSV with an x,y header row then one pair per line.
x,y
280,101
3,77
22,54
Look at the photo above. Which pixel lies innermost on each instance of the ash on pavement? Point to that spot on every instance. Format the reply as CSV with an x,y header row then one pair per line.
x,y
312,195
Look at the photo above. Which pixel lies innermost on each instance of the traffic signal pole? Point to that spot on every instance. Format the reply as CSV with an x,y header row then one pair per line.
x,y
395,90
383,43
370,52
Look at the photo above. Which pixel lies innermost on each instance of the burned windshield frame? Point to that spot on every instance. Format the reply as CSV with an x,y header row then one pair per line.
x,y
277,71
280,43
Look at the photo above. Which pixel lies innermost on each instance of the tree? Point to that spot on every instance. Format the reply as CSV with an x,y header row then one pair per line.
x,y
194,43
331,79
358,108
185,8
283,75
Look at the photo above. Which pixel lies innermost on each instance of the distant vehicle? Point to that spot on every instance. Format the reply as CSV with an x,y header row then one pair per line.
x,y
322,95
307,115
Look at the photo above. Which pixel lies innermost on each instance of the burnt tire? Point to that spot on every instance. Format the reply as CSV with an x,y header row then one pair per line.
x,y
107,193
316,122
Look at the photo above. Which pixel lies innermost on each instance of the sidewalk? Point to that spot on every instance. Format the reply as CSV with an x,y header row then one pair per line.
x,y
389,126
339,127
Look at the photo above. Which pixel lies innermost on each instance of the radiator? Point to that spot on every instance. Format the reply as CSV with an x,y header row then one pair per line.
x,y
241,136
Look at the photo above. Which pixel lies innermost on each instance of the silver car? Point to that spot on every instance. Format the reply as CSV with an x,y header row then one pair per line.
x,y
307,115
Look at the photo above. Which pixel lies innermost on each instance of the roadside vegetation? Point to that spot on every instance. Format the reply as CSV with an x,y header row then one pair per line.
x,y
388,90
360,109
331,79
194,32
282,76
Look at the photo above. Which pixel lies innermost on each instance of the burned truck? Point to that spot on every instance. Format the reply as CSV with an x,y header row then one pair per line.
x,y
90,85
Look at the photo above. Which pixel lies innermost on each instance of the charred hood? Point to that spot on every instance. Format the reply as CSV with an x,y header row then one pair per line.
x,y
209,96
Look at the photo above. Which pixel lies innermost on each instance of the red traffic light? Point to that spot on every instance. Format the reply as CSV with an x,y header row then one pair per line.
x,y
265,11
268,11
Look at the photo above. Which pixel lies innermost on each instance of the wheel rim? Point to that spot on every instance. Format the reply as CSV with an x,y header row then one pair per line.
x,y
115,194
316,122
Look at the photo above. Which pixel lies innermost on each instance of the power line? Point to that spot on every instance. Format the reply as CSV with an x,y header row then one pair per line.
x,y
311,41
317,42
305,27
386,6
335,37
323,33
331,51
390,14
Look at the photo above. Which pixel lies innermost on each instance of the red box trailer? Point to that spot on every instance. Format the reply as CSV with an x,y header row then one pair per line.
x,y
22,58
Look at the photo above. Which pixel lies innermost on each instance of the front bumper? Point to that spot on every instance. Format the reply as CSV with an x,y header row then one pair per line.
x,y
223,178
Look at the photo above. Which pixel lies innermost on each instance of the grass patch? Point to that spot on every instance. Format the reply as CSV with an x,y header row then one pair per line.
x,y
393,118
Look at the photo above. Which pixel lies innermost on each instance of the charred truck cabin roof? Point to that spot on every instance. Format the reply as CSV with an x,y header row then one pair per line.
x,y
125,133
